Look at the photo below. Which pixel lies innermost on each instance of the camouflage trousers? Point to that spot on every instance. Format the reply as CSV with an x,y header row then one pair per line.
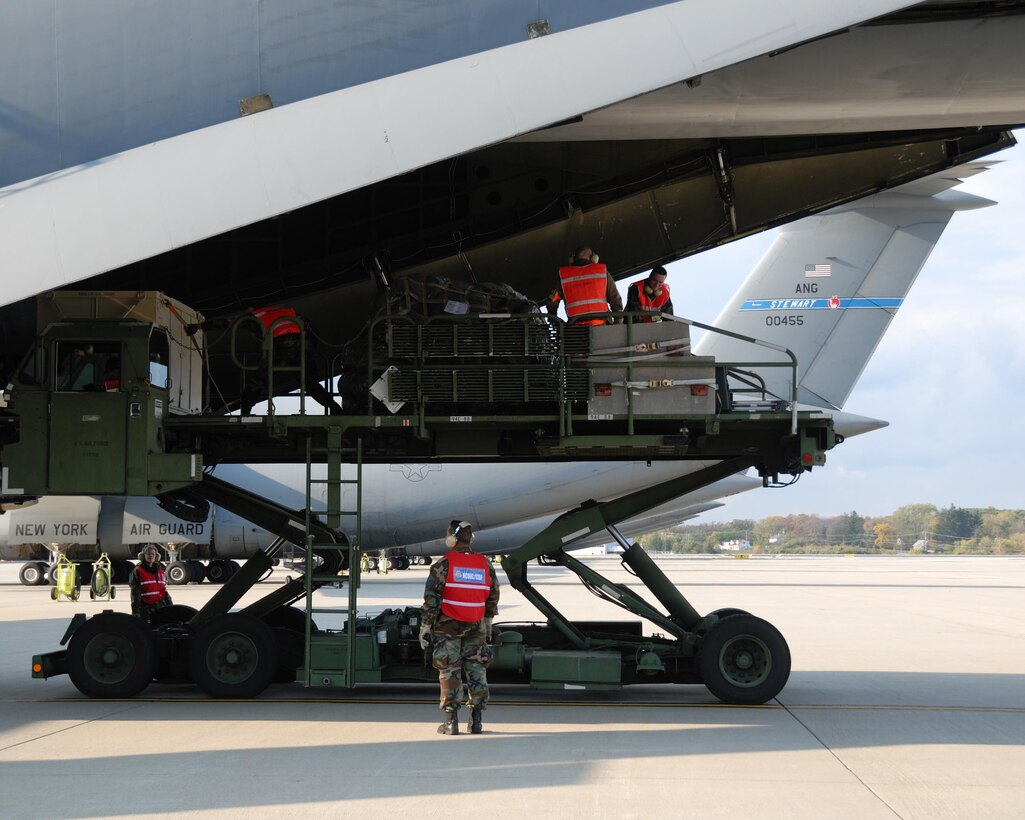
x,y
461,661
145,611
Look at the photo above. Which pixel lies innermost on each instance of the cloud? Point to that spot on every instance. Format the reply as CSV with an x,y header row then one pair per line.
x,y
949,375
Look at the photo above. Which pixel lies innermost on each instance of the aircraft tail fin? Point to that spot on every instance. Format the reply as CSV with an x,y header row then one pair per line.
x,y
830,285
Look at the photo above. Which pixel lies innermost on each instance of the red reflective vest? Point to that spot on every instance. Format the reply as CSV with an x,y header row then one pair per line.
x,y
466,587
152,586
583,288
269,315
654,304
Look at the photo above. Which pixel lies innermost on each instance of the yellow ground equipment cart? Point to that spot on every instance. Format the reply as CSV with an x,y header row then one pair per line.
x,y
101,585
66,580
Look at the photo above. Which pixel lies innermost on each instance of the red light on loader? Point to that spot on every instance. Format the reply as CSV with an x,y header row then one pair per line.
x,y
603,390
807,458
699,389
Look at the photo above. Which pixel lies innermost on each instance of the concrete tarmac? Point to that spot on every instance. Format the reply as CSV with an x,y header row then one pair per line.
x,y
907,699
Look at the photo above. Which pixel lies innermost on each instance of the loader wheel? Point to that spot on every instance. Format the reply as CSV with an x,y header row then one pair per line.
x,y
744,659
288,623
726,613
53,594
112,655
172,614
233,656
289,617
75,593
703,627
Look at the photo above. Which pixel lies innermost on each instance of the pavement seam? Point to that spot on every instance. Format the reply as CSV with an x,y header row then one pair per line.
x,y
836,757
67,728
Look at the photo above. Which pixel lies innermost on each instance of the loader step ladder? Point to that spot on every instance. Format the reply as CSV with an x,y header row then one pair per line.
x,y
333,454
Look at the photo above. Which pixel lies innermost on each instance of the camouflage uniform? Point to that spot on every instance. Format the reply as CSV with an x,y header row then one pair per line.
x,y
460,649
139,609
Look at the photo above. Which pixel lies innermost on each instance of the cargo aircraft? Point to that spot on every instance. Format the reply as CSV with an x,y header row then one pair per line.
x,y
313,153
827,289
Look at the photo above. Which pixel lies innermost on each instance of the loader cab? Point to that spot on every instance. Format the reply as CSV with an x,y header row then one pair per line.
x,y
93,394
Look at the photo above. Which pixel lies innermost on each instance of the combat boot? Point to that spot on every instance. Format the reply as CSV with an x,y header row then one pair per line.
x,y
473,725
451,724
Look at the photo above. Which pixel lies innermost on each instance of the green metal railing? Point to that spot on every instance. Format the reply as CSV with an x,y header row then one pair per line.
x,y
496,361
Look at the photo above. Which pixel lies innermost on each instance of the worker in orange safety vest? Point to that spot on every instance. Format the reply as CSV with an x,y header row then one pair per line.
x,y
587,288
148,584
649,295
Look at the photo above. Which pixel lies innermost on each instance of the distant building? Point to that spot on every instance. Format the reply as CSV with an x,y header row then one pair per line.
x,y
604,549
735,545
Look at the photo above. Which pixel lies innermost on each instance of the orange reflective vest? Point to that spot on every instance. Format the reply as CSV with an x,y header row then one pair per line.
x,y
152,585
651,305
269,315
467,586
583,288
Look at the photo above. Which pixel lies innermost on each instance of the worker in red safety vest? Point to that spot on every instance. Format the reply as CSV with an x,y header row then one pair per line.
x,y
587,288
460,603
148,584
649,295
287,343
269,315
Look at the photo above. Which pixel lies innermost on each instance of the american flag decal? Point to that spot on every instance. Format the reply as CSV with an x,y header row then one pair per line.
x,y
817,271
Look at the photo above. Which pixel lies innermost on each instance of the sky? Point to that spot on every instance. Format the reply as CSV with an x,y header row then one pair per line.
x,y
949,375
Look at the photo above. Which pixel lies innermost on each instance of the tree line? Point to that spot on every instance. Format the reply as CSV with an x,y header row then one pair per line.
x,y
913,528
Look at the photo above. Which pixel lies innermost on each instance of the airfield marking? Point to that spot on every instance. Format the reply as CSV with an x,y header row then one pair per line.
x,y
578,704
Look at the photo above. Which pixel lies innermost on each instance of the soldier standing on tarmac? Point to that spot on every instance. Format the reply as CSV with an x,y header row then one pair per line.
x,y
460,602
148,584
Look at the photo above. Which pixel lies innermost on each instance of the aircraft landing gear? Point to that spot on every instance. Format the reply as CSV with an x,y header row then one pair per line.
x,y
33,573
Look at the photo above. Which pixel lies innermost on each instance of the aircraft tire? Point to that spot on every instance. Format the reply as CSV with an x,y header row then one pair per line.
x,y
112,655
197,572
122,569
83,571
32,574
235,567
218,571
401,562
744,660
233,656
178,573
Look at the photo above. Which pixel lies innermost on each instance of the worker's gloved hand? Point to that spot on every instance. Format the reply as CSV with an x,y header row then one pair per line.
x,y
425,637
190,329
487,627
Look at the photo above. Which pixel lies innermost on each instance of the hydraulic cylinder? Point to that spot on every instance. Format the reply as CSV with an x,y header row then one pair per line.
x,y
669,596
